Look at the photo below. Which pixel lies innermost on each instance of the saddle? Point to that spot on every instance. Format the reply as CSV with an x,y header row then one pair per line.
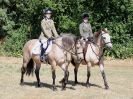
x,y
42,47
45,50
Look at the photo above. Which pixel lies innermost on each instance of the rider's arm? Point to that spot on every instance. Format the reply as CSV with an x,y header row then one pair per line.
x,y
90,30
54,29
81,29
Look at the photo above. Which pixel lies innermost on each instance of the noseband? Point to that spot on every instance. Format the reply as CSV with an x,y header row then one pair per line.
x,y
103,40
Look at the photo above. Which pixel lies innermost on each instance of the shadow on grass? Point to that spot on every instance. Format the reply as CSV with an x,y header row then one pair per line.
x,y
70,82
83,84
46,85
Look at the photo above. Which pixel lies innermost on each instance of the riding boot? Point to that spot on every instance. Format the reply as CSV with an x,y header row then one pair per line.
x,y
42,57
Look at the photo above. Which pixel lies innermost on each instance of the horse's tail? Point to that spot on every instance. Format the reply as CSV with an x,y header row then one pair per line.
x,y
30,67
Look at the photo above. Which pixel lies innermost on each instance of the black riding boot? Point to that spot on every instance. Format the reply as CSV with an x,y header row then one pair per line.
x,y
42,57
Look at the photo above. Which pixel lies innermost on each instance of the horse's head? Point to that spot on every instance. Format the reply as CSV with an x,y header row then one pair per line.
x,y
105,38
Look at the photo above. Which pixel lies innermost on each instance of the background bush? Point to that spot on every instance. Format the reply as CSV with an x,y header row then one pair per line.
x,y
20,21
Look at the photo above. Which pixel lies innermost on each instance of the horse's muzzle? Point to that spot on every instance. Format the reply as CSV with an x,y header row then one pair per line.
x,y
109,46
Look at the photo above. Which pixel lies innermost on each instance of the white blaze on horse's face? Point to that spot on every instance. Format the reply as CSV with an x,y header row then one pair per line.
x,y
107,40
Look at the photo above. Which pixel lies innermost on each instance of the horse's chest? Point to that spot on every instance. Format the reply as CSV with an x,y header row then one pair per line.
x,y
91,54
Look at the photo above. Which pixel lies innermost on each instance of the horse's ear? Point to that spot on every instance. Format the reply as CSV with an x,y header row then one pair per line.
x,y
96,34
106,29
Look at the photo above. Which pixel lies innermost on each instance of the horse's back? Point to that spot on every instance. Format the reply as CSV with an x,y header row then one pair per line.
x,y
30,44
28,47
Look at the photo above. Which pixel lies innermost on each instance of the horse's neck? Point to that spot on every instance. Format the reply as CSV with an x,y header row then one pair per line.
x,y
99,44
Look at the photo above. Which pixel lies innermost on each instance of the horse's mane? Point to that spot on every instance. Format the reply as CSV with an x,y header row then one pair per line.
x,y
96,34
68,40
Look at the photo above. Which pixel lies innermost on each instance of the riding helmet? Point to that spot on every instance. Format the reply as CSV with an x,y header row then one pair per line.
x,y
85,15
47,11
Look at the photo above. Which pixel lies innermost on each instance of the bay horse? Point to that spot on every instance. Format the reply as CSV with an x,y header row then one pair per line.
x,y
93,54
60,54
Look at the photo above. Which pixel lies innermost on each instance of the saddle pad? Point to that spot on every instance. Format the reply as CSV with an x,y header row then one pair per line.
x,y
37,49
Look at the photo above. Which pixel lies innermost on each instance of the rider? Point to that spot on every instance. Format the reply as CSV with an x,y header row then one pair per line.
x,y
48,29
85,27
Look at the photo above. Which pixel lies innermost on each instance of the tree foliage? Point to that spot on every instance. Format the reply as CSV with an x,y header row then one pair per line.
x,y
20,21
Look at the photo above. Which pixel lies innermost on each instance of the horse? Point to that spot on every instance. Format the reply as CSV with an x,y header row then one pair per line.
x,y
92,54
62,49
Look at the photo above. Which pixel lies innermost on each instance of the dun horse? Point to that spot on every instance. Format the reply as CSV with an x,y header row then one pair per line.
x,y
60,55
93,54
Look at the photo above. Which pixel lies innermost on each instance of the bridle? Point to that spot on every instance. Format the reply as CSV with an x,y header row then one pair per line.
x,y
105,43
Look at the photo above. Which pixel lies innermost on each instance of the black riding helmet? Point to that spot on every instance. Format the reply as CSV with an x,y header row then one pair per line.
x,y
85,15
47,11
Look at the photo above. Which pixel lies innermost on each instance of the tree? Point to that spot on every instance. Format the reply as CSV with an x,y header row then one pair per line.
x,y
20,21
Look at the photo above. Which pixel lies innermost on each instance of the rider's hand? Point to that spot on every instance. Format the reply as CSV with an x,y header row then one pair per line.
x,y
52,38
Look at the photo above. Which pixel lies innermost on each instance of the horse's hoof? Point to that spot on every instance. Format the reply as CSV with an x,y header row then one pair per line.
x,y
106,87
76,82
21,83
87,85
54,89
39,85
63,89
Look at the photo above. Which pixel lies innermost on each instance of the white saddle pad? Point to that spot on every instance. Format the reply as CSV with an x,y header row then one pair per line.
x,y
37,49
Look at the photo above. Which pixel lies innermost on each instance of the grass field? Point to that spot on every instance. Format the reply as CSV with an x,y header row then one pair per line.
x,y
119,75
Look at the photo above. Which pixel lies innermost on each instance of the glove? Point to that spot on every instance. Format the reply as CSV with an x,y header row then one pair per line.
x,y
52,38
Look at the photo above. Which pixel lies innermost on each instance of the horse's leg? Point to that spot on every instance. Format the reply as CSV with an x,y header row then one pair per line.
x,y
66,77
75,73
22,74
23,70
26,59
66,74
101,65
88,74
53,76
37,74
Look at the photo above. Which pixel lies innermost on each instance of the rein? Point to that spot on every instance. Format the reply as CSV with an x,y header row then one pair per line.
x,y
66,49
99,57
